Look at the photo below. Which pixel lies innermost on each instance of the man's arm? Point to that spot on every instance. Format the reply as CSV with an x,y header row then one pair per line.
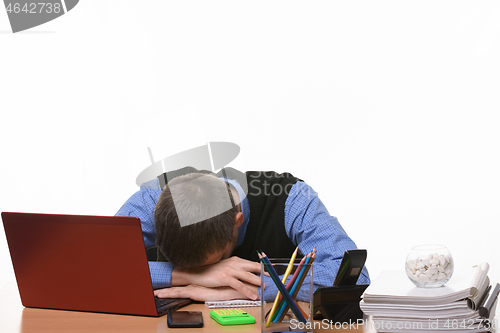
x,y
142,205
199,293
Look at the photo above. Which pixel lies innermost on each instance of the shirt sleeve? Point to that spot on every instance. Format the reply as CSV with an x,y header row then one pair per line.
x,y
309,224
142,205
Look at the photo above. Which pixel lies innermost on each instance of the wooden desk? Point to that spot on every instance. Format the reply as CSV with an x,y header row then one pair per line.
x,y
15,318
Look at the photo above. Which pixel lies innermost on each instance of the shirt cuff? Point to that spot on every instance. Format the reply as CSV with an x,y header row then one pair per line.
x,y
161,274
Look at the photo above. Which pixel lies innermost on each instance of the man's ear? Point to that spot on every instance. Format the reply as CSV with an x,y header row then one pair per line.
x,y
238,220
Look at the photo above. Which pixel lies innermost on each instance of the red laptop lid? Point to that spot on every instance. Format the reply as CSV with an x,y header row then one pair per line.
x,y
86,263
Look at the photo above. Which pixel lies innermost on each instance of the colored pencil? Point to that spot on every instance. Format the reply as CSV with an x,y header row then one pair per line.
x,y
285,276
275,277
290,283
295,291
296,286
283,306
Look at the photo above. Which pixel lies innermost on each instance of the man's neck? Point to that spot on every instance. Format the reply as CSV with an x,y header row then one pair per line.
x,y
236,197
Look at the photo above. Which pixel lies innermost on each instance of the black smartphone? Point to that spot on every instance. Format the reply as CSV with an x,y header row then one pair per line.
x,y
180,319
350,268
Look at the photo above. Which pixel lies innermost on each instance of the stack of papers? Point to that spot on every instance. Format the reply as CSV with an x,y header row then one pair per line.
x,y
397,305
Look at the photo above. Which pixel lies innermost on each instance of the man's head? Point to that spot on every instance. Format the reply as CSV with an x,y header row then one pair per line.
x,y
196,220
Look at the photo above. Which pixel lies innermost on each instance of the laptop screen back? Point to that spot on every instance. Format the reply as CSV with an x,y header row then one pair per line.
x,y
86,263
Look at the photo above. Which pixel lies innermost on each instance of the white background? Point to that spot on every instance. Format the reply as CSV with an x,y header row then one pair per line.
x,y
390,110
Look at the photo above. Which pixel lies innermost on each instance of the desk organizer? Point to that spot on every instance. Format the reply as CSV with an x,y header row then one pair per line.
x,y
338,303
288,321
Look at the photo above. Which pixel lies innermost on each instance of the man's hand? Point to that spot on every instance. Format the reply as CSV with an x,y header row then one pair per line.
x,y
204,294
234,272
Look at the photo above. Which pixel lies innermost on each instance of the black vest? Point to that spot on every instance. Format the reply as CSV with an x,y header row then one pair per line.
x,y
267,193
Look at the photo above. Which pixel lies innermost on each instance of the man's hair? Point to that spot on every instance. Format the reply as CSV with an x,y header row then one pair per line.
x,y
191,196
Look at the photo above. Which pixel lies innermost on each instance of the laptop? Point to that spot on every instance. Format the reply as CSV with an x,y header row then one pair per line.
x,y
83,263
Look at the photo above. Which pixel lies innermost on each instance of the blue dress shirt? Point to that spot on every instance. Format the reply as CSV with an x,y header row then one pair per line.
x,y
307,224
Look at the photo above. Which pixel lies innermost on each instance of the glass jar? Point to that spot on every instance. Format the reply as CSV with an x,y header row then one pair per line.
x,y
429,266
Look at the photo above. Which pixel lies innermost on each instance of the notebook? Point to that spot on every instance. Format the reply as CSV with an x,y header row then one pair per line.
x,y
83,263
235,303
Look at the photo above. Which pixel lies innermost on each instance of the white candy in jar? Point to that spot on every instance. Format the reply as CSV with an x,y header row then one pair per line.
x,y
431,268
